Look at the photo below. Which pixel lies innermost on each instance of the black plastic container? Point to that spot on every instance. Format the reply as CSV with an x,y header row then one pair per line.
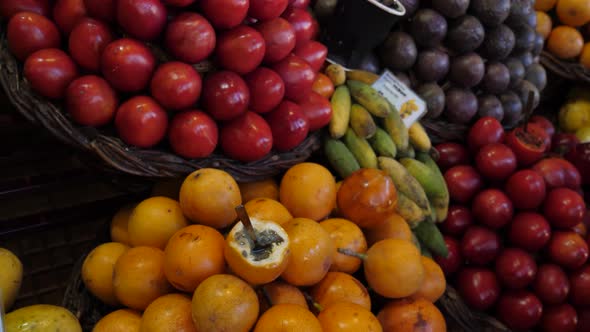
x,y
357,27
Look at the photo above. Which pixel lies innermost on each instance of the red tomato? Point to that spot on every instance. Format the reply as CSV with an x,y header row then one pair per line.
x,y
551,284
564,208
478,287
562,318
91,101
140,121
303,4
323,86
127,65
264,10
225,14
528,145
178,3
544,123
526,189
279,37
580,287
266,89
104,10
519,310
142,19
515,268
496,161
562,143
558,172
463,183
298,77
568,249
225,95
9,8
240,49
246,138
67,13
193,134
306,27
492,208
318,111
289,126
480,245
29,32
87,42
176,85
49,72
315,53
453,261
529,231
459,218
486,130
451,154
190,38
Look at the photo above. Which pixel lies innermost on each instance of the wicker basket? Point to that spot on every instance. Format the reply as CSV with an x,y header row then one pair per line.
x,y
120,156
568,70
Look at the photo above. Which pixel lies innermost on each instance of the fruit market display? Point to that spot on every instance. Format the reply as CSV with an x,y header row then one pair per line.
x,y
468,58
143,70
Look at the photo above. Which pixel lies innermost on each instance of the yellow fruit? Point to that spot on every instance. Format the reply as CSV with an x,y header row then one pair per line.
x,y
544,5
122,320
574,115
10,278
41,317
120,224
583,134
265,188
268,209
168,313
97,271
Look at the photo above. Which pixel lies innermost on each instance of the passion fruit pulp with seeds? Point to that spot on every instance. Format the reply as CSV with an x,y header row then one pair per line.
x,y
529,143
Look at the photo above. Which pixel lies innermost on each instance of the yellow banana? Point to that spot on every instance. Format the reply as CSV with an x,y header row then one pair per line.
x,y
409,210
362,122
362,76
361,149
340,112
404,182
398,131
367,96
419,138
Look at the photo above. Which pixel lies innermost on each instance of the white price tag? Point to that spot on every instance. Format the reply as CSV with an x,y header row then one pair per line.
x,y
410,106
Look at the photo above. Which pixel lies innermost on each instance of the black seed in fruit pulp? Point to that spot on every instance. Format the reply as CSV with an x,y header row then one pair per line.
x,y
461,105
516,69
432,65
465,34
524,88
526,59
370,62
498,43
451,8
428,28
467,70
434,96
490,12
399,51
512,108
490,105
537,75
496,78
411,6
403,77
524,38
519,11
539,44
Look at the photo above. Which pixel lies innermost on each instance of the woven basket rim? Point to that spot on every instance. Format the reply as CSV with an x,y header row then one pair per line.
x,y
570,70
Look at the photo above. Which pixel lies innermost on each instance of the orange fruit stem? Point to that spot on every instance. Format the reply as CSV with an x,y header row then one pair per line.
x,y
348,252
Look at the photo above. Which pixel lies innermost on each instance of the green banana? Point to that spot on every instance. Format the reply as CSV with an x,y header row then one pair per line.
x,y
431,237
370,98
398,131
408,153
409,210
433,186
362,122
340,112
383,144
405,183
361,149
440,204
340,157
419,138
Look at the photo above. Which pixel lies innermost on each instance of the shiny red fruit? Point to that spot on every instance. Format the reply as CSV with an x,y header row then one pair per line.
x,y
298,77
127,65
289,126
29,32
480,245
190,38
9,8
515,268
315,53
67,13
104,10
478,287
454,260
526,189
193,134
544,123
495,161
568,249
529,143
463,183
240,50
176,85
564,208
492,208
91,101
265,10
561,318
519,310
317,110
87,41
558,172
279,37
486,130
225,95
529,231
451,154
580,287
49,72
266,89
562,143
142,19
225,14
140,121
306,27
303,4
551,284
247,138
179,3
459,218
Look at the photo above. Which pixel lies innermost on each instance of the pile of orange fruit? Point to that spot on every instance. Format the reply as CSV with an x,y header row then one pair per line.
x,y
320,256
565,26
